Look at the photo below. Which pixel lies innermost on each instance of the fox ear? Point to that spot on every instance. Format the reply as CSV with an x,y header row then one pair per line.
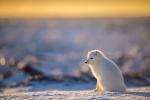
x,y
88,52
96,52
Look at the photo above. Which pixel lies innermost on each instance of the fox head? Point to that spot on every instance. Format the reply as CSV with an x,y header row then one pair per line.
x,y
94,56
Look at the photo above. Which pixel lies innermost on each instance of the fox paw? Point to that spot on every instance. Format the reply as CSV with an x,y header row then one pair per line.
x,y
98,90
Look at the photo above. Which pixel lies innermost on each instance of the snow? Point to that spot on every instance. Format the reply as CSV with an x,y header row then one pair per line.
x,y
142,93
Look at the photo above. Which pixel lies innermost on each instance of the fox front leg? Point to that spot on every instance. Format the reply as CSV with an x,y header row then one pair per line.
x,y
98,87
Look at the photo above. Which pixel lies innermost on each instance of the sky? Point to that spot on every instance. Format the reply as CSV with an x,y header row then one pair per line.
x,y
73,8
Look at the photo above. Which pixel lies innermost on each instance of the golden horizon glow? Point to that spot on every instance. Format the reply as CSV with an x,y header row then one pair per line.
x,y
73,8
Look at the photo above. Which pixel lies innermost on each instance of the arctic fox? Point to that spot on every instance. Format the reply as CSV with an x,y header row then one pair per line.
x,y
106,72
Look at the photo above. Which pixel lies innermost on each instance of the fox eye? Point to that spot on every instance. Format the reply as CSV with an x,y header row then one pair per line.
x,y
91,58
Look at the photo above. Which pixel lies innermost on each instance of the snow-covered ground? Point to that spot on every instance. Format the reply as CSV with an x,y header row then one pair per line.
x,y
45,86
142,93
61,45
